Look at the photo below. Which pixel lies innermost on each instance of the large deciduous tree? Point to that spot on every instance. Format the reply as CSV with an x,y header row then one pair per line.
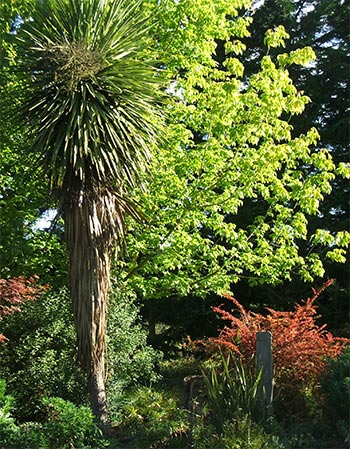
x,y
88,99
231,144
323,26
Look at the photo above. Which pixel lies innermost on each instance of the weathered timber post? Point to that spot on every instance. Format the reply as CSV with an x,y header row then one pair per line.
x,y
265,364
190,384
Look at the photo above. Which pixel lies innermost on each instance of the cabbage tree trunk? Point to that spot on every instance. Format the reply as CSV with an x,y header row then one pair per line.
x,y
90,229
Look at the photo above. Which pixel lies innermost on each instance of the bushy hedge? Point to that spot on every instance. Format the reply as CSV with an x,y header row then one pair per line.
x,y
39,360
64,426
335,390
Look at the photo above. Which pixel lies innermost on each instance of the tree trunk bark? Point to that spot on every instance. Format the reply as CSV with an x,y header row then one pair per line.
x,y
90,233
98,398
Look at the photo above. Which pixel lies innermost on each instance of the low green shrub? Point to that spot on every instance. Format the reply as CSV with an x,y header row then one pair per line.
x,y
130,358
239,433
131,361
335,389
153,419
69,426
27,435
39,360
66,426
7,423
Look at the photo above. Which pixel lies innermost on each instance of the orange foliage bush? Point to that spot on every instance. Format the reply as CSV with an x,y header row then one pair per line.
x,y
16,291
300,346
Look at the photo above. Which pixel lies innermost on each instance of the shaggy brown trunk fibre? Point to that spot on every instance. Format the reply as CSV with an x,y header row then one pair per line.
x,y
90,226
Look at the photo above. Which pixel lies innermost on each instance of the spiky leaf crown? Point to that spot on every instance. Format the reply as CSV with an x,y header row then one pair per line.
x,y
91,94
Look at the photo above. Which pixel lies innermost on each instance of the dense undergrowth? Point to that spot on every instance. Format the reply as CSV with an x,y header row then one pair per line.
x,y
205,398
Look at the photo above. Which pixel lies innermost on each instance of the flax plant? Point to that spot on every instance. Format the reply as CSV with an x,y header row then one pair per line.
x,y
231,389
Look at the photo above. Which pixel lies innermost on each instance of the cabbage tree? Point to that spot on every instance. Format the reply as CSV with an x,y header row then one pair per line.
x,y
90,98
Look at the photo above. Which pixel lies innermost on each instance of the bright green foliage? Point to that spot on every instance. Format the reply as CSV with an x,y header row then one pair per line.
x,y
323,26
276,38
6,403
154,419
229,144
68,425
65,426
10,10
24,250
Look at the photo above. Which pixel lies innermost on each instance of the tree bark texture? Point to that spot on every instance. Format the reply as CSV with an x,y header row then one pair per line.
x,y
91,228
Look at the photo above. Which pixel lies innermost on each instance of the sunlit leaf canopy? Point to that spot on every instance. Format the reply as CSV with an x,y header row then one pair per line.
x,y
233,190
90,93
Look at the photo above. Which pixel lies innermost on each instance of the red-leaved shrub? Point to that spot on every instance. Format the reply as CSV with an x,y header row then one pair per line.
x,y
16,291
300,346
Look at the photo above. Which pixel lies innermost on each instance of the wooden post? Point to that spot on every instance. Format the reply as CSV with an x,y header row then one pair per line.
x,y
264,363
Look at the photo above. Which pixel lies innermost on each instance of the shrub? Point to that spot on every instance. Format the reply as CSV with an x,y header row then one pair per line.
x,y
154,419
300,346
39,359
66,426
13,436
335,388
6,420
69,426
131,361
239,433
27,435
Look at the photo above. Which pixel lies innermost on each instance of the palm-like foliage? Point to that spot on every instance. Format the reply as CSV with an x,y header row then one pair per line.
x,y
90,99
